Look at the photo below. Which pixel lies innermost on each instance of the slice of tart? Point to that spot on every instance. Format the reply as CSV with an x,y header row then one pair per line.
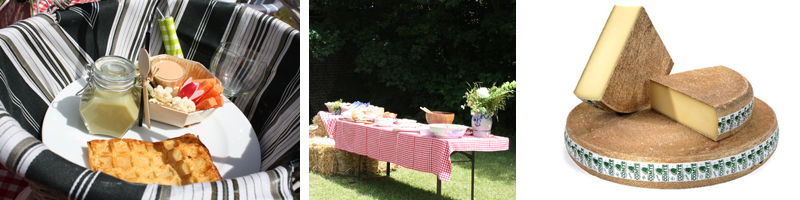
x,y
177,161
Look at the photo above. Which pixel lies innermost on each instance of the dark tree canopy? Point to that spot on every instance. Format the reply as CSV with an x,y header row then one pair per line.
x,y
420,53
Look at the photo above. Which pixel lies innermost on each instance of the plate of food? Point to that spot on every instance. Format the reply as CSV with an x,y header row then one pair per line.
x,y
227,134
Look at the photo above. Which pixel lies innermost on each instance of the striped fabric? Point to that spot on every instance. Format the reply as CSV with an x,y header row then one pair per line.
x,y
266,6
294,9
43,54
260,185
108,27
273,6
41,57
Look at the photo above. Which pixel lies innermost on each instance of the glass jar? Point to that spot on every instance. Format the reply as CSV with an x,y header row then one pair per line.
x,y
110,102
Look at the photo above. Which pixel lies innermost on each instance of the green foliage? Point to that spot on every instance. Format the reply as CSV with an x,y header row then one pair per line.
x,y
336,105
489,100
419,52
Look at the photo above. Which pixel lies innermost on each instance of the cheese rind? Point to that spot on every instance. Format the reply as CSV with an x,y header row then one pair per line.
x,y
647,136
597,141
713,101
628,53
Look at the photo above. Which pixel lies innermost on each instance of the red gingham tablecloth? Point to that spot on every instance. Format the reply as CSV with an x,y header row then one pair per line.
x,y
10,183
42,6
411,150
329,120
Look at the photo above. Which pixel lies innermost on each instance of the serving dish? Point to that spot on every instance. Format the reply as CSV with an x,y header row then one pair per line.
x,y
227,134
448,131
173,117
406,121
425,130
384,122
406,128
440,117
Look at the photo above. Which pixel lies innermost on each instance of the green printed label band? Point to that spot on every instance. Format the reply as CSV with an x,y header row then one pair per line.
x,y
672,172
735,119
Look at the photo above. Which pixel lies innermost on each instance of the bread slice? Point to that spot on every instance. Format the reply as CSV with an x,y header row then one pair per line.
x,y
177,161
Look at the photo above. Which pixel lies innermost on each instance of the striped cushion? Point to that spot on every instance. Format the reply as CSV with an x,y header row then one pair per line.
x,y
40,60
265,6
42,55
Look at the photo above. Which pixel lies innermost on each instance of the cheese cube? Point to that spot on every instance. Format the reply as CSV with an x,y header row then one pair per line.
x,y
628,53
713,101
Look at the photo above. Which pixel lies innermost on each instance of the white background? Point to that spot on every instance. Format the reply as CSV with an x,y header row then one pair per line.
x,y
555,39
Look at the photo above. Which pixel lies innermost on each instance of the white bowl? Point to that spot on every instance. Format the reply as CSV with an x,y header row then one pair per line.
x,y
448,131
406,121
425,130
406,128
384,122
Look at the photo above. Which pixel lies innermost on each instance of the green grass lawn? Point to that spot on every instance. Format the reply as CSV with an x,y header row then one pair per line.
x,y
495,178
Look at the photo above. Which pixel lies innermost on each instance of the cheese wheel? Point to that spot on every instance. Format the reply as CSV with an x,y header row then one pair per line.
x,y
713,101
647,149
628,53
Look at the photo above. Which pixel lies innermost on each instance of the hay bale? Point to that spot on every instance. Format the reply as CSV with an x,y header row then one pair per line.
x,y
346,162
382,166
321,132
321,156
326,160
370,165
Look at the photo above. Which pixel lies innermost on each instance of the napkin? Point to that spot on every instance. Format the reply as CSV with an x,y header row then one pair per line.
x,y
171,43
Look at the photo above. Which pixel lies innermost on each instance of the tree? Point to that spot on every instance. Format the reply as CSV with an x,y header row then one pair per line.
x,y
420,53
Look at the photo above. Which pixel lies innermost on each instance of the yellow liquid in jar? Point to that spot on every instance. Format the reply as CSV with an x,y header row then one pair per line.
x,y
109,113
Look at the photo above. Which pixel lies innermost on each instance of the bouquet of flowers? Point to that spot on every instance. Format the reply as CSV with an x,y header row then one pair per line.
x,y
489,100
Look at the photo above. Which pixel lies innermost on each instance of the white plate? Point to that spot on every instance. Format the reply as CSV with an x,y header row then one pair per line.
x,y
227,134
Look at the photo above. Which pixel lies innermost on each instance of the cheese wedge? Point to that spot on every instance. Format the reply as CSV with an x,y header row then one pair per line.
x,y
628,53
714,101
